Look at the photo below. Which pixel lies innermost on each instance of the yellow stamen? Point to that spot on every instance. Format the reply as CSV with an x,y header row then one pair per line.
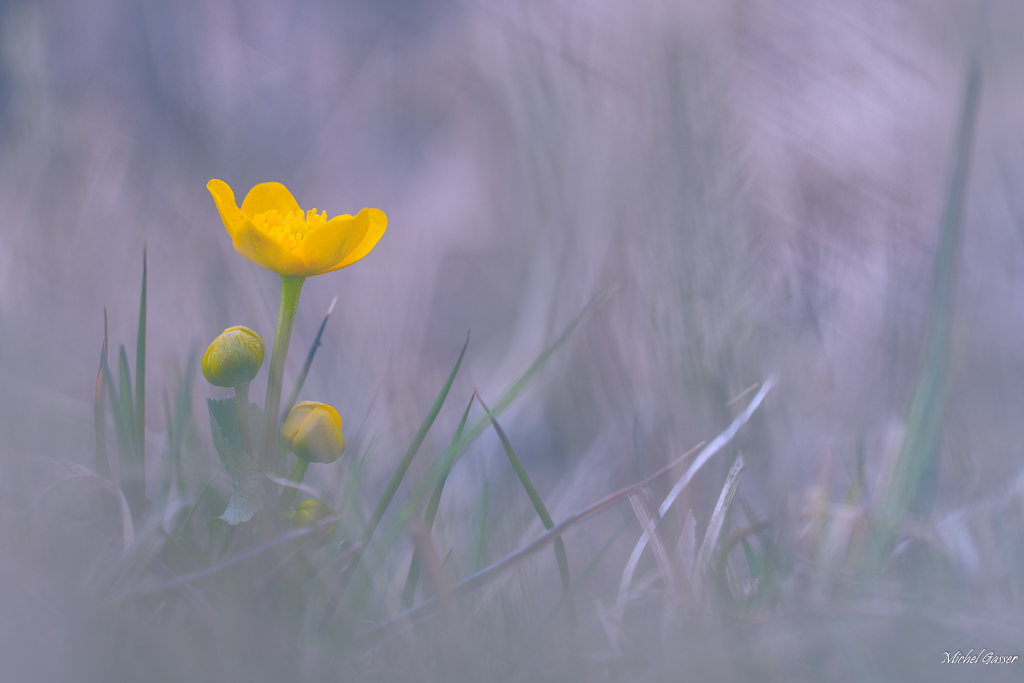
x,y
289,229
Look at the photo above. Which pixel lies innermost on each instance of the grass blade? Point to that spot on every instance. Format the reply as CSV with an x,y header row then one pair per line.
x,y
916,462
485,576
535,499
512,392
121,411
435,501
392,488
99,410
661,555
714,531
125,397
294,396
140,373
403,467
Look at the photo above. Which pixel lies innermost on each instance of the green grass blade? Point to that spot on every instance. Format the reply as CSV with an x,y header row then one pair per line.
x,y
378,513
589,567
403,467
535,499
294,396
916,463
130,482
472,432
140,373
125,397
435,502
519,385
99,410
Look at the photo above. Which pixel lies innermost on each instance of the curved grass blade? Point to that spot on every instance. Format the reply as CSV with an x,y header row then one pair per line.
x,y
703,565
485,576
717,444
535,499
476,428
294,396
472,432
519,385
435,500
396,480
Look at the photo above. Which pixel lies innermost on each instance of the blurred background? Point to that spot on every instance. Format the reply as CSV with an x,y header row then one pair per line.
x,y
748,187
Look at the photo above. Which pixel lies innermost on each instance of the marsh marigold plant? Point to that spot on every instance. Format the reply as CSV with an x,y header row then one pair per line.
x,y
271,230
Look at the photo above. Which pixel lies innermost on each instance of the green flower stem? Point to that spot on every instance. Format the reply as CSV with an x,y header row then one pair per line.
x,y
242,403
291,285
288,495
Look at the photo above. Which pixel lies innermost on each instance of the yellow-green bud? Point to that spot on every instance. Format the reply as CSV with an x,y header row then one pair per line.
x,y
313,432
310,512
233,358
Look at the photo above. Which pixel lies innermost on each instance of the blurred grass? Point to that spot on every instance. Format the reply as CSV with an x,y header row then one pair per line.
x,y
653,195
914,480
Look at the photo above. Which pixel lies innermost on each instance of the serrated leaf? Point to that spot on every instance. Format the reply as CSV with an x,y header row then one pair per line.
x,y
246,480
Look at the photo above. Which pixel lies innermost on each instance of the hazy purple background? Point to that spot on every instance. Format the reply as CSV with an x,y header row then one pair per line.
x,y
758,185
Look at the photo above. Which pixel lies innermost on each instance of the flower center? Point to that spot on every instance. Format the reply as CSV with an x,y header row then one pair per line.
x,y
289,229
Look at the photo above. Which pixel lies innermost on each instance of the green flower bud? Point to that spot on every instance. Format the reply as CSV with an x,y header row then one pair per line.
x,y
313,432
233,358
309,513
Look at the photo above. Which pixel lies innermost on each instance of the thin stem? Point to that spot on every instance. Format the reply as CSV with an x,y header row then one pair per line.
x,y
288,495
242,403
291,285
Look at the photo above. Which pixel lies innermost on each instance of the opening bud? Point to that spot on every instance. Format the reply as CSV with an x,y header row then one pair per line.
x,y
311,512
313,432
233,358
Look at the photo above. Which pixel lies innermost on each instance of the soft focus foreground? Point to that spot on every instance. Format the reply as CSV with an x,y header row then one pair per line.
x,y
746,192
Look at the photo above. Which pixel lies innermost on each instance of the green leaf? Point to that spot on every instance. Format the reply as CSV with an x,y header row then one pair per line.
x,y
224,416
246,479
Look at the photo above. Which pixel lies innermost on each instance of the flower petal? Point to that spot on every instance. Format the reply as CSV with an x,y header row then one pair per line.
x,y
320,438
225,200
267,196
342,241
263,250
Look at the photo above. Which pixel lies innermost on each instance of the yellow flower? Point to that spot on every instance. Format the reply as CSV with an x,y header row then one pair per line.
x,y
271,230
311,512
313,431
